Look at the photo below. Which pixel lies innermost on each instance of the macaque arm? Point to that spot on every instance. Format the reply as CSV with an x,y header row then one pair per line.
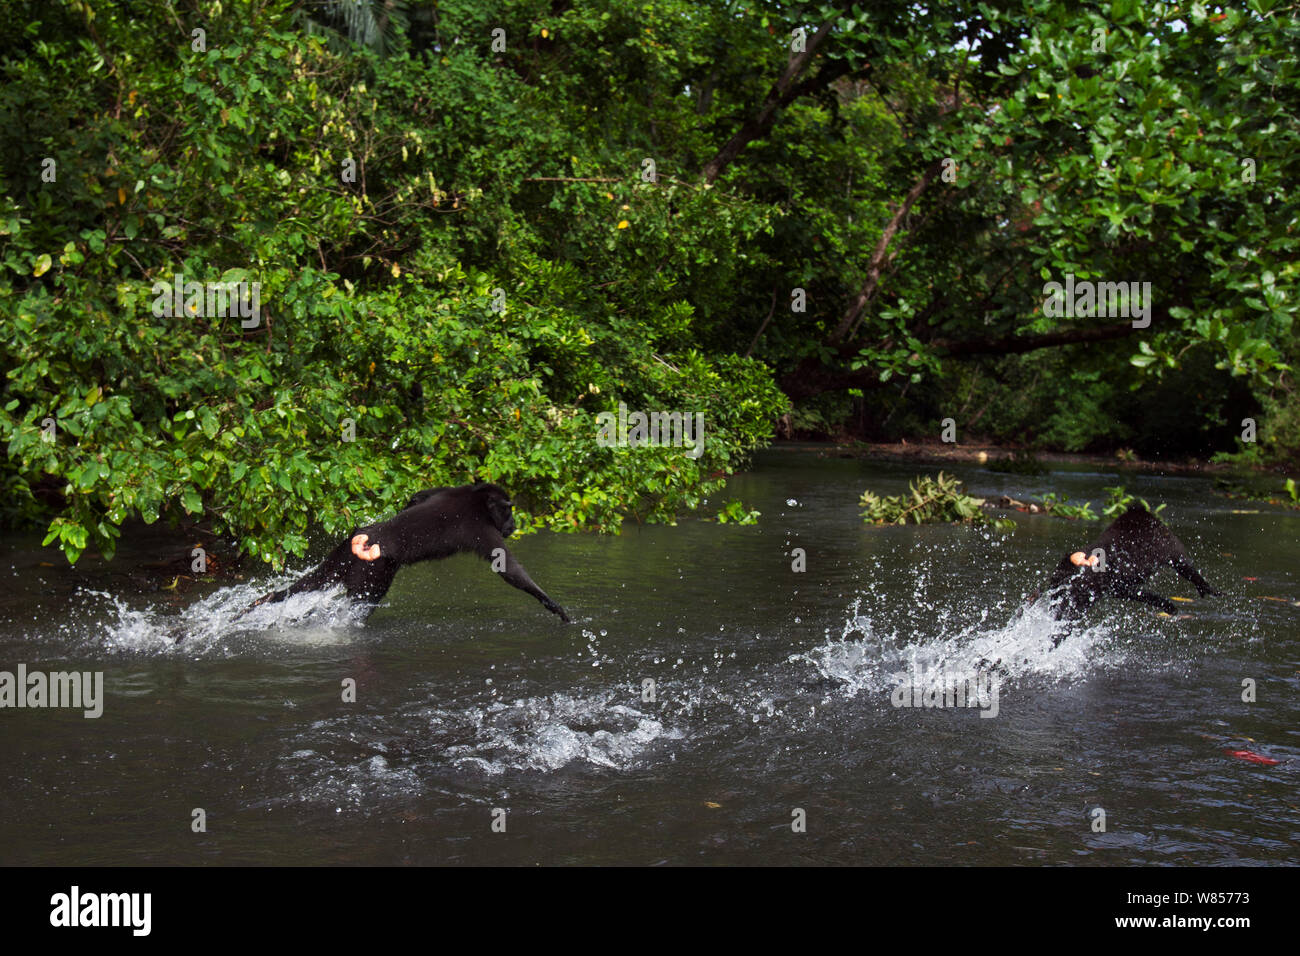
x,y
1188,571
516,576
1155,600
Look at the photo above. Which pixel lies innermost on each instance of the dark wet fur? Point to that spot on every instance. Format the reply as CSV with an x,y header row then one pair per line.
x,y
1135,545
436,523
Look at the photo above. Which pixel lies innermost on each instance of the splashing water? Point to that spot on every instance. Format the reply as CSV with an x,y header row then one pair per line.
x,y
357,760
577,727
218,621
874,652
547,733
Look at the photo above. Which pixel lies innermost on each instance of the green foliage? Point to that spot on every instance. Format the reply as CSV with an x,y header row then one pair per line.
x,y
1078,401
1108,143
375,24
1279,429
1247,455
379,295
133,156
1258,487
735,512
1118,501
827,414
932,500
1059,507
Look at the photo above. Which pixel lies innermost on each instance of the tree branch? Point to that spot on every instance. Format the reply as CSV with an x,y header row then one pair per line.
x,y
759,334
810,377
783,91
1017,344
880,255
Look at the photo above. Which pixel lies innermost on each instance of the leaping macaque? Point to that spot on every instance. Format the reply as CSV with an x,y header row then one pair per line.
x,y
1118,564
435,523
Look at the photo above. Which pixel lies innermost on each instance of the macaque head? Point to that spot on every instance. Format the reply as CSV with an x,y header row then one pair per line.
x,y
499,508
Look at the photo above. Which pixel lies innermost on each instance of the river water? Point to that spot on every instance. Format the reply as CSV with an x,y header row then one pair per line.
x,y
710,704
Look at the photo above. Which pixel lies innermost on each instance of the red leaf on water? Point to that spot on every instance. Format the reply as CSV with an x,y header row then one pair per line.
x,y
1252,757
1244,578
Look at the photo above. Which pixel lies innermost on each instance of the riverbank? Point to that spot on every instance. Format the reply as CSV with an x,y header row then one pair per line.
x,y
936,452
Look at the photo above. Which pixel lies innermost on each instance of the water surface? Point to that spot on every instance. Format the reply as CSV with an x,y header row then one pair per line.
x,y
771,696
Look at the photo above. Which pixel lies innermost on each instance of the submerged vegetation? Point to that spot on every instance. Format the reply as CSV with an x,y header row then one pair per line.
x,y
1118,501
1059,506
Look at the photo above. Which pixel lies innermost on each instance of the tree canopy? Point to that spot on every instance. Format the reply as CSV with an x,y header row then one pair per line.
x,y
475,226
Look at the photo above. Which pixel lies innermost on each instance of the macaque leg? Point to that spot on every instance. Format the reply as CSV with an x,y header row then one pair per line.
x,y
322,576
275,597
313,580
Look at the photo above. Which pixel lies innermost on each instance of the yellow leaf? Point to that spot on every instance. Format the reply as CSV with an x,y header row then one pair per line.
x,y
42,265
712,806
121,195
623,224
545,33
397,270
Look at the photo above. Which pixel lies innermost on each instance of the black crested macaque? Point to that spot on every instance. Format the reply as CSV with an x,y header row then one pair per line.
x,y
436,523
1118,564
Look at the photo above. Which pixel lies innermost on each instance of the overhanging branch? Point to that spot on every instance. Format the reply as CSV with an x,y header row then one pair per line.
x,y
783,91
1019,344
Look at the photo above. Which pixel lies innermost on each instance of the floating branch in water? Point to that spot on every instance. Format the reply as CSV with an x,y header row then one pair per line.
x,y
1058,506
932,500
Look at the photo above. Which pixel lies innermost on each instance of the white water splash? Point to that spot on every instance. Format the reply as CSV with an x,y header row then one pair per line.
x,y
871,657
362,760
547,733
312,617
